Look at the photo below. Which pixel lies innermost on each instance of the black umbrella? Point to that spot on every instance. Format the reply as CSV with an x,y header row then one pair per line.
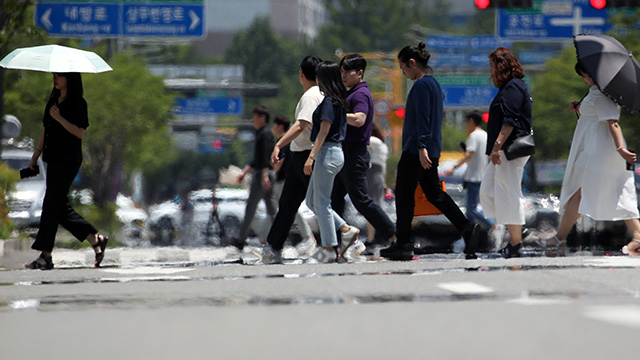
x,y
612,67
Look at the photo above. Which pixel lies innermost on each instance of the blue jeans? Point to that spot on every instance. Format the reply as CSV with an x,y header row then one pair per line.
x,y
473,213
328,163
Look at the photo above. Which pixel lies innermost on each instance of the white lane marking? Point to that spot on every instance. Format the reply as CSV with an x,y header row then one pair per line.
x,y
623,315
540,301
147,271
24,304
465,288
146,278
614,261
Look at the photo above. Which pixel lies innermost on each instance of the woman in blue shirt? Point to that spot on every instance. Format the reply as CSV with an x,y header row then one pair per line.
x,y
326,160
421,144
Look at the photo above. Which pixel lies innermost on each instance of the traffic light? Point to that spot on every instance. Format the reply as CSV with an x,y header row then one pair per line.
x,y
492,4
601,4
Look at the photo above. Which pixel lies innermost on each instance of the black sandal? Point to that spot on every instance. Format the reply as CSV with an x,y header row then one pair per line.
x,y
102,244
37,265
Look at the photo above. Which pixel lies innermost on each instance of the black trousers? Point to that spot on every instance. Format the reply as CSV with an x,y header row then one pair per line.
x,y
56,209
293,193
352,180
409,174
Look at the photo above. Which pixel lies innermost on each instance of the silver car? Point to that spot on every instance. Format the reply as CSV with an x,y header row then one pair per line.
x,y
25,201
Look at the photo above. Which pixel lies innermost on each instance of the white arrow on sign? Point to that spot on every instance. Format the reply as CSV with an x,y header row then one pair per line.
x,y
45,19
577,21
195,20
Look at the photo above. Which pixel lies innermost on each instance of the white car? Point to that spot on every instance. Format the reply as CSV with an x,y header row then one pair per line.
x,y
192,223
26,200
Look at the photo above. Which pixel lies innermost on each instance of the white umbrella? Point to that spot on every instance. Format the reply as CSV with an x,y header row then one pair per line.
x,y
55,59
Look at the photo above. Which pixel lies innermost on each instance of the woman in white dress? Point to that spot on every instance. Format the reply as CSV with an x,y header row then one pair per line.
x,y
597,183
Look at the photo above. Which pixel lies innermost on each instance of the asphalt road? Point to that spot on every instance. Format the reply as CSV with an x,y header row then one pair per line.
x,y
176,303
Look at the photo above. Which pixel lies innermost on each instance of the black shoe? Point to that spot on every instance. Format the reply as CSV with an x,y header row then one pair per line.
x,y
471,235
525,232
399,252
42,263
370,248
511,251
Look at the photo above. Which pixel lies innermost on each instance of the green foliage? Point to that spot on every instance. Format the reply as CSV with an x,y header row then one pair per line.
x,y
8,179
129,111
269,58
372,25
552,92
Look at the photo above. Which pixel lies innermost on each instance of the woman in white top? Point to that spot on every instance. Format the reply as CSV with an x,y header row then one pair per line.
x,y
597,183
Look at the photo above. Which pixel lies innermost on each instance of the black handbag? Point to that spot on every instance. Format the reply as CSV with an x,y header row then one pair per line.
x,y
521,147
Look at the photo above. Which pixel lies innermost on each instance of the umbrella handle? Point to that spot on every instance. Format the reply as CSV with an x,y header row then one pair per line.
x,y
580,102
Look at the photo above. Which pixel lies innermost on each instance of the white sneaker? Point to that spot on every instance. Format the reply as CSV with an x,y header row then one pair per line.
x,y
323,256
347,238
354,252
306,247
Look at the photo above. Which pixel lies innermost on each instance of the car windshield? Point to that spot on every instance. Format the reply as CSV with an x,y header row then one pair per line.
x,y
18,163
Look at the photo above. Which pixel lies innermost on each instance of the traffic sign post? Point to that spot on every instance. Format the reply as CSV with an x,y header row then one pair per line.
x,y
117,19
552,19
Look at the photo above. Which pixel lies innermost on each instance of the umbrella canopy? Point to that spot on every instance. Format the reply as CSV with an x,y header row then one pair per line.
x,y
612,67
55,58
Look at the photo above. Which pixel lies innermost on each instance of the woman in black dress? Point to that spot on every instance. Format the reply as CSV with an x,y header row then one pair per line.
x,y
60,143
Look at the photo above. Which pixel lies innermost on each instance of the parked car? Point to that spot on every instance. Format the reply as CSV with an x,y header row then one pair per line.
x,y
187,219
26,200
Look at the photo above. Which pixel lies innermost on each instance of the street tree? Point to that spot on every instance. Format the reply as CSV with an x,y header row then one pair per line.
x,y
373,25
16,27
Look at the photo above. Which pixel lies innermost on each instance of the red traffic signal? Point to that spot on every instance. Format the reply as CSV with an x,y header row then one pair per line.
x,y
599,4
482,4
516,4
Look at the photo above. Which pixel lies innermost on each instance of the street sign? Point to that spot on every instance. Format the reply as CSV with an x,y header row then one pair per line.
x,y
115,19
552,19
78,19
478,42
461,96
229,106
535,56
163,20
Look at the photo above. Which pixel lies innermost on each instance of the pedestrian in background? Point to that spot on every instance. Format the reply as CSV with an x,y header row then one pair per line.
x,y
327,159
597,182
421,146
296,181
509,118
65,122
262,176
352,179
379,152
476,161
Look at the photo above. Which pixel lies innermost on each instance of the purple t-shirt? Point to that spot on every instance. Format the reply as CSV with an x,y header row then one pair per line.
x,y
360,100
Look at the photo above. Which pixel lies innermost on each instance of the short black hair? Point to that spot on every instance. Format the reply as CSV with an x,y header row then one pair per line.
x,y
476,117
262,110
579,68
282,120
308,66
354,62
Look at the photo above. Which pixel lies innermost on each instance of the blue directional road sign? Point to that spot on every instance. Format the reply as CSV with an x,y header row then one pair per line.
x,y
79,19
461,96
478,42
552,19
230,106
163,20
